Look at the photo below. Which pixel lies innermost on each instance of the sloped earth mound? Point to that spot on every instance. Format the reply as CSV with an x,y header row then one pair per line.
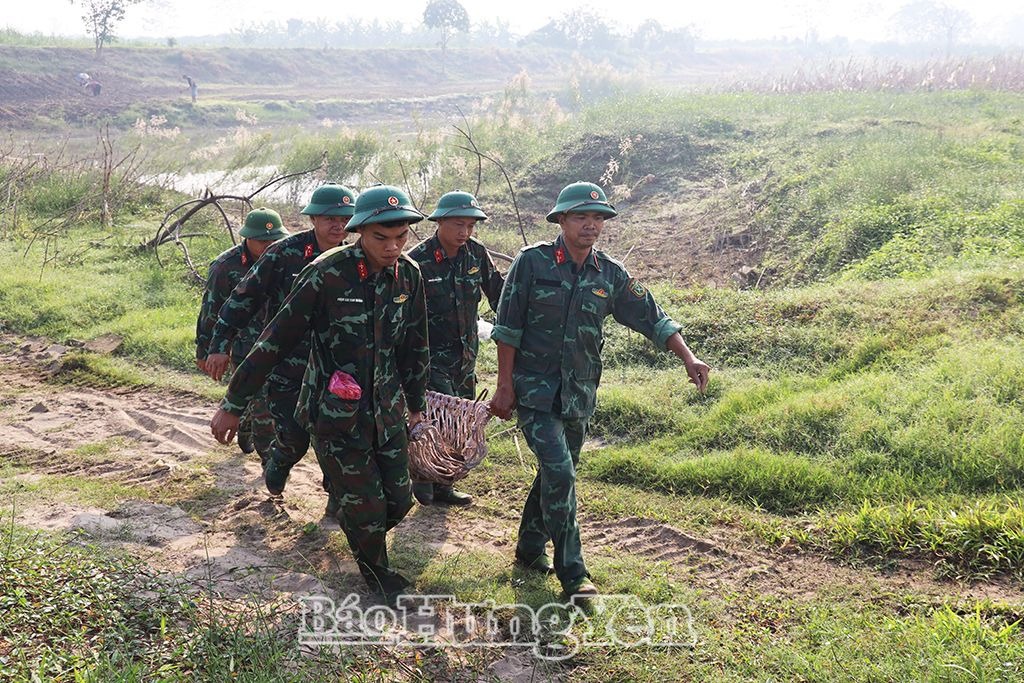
x,y
198,510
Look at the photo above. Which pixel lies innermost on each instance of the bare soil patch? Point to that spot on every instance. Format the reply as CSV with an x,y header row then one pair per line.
x,y
203,514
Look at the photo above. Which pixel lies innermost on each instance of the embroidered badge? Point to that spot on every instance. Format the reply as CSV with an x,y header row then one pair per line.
x,y
346,300
401,298
560,256
308,254
601,292
436,279
438,255
363,271
637,289
473,271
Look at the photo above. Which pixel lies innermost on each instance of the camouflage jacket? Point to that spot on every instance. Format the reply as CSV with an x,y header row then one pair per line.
x,y
454,287
225,272
554,317
374,327
259,296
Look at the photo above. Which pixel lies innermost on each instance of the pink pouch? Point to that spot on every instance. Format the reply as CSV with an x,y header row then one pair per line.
x,y
344,385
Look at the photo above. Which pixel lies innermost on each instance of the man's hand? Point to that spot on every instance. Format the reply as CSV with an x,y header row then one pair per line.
x,y
224,425
415,417
201,364
216,365
698,371
503,402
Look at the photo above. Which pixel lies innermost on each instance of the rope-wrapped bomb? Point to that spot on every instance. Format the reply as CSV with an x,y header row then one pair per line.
x,y
450,440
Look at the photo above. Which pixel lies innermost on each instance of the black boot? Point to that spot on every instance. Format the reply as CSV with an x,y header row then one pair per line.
x,y
448,495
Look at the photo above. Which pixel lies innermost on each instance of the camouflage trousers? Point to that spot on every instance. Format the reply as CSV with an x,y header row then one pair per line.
x,y
450,375
372,489
291,440
257,425
550,509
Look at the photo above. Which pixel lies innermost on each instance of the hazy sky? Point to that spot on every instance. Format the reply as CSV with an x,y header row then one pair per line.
x,y
717,19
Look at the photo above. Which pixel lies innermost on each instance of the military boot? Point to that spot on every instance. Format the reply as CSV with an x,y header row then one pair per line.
x,y
245,442
541,563
424,492
447,494
275,475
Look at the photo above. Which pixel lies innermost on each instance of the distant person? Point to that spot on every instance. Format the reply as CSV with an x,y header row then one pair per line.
x,y
82,78
550,332
94,87
193,89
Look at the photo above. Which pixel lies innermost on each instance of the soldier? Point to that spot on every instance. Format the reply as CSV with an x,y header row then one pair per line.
x,y
549,336
364,306
259,296
262,227
456,269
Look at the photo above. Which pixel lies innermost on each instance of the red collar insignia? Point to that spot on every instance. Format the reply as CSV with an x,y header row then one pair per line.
x,y
364,272
245,257
438,255
308,254
560,255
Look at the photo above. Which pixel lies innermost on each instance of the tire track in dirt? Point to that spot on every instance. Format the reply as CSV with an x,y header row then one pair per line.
x,y
729,565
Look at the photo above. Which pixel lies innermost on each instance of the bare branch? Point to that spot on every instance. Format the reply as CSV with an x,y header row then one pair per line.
x,y
511,190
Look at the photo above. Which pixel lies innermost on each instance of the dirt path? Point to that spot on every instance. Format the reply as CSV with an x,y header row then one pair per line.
x,y
197,509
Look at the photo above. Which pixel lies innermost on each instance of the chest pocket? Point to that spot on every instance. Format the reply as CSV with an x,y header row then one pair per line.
x,y
471,277
594,300
438,292
395,316
348,320
547,300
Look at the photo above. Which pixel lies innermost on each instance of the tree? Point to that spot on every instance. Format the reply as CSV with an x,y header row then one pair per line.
x,y
930,21
101,17
447,16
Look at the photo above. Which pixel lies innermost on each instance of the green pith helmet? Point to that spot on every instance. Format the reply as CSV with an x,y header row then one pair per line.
x,y
264,225
331,200
382,204
457,204
581,197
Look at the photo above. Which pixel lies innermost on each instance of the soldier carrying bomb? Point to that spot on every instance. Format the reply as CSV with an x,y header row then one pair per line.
x,y
363,310
549,334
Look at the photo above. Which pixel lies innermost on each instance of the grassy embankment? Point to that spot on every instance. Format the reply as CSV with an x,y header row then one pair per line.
x,y
867,405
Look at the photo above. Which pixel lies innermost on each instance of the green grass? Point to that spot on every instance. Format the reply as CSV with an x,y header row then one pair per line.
x,y
866,400
72,613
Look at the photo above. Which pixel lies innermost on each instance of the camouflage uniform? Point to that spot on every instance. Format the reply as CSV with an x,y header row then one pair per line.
x,y
374,327
225,272
453,286
553,314
258,297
